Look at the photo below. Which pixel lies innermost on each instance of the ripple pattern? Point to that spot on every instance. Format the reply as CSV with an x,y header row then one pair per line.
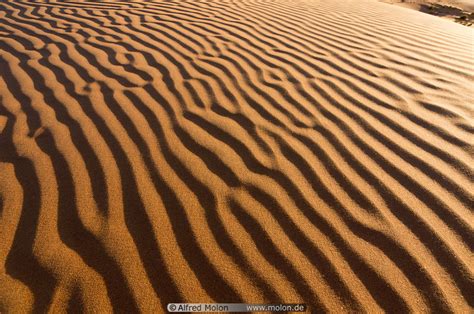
x,y
253,151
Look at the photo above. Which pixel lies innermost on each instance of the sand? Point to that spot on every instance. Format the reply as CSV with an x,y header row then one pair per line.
x,y
466,5
235,151
460,11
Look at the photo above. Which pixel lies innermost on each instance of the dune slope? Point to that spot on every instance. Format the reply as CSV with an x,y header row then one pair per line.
x,y
235,151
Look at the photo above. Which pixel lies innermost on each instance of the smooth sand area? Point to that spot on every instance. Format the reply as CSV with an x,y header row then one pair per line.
x,y
467,5
233,151
460,11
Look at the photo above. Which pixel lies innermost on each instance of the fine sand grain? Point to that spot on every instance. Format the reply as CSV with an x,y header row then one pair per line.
x,y
235,151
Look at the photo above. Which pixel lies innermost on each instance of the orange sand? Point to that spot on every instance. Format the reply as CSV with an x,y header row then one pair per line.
x,y
235,151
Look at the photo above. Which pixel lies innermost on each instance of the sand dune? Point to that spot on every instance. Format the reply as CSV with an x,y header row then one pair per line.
x,y
235,151
460,11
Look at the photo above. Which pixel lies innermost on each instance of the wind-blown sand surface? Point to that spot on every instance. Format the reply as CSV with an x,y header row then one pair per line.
x,y
460,11
235,151
467,5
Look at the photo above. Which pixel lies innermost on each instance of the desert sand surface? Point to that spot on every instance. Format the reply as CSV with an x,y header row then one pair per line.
x,y
467,5
251,151
460,11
